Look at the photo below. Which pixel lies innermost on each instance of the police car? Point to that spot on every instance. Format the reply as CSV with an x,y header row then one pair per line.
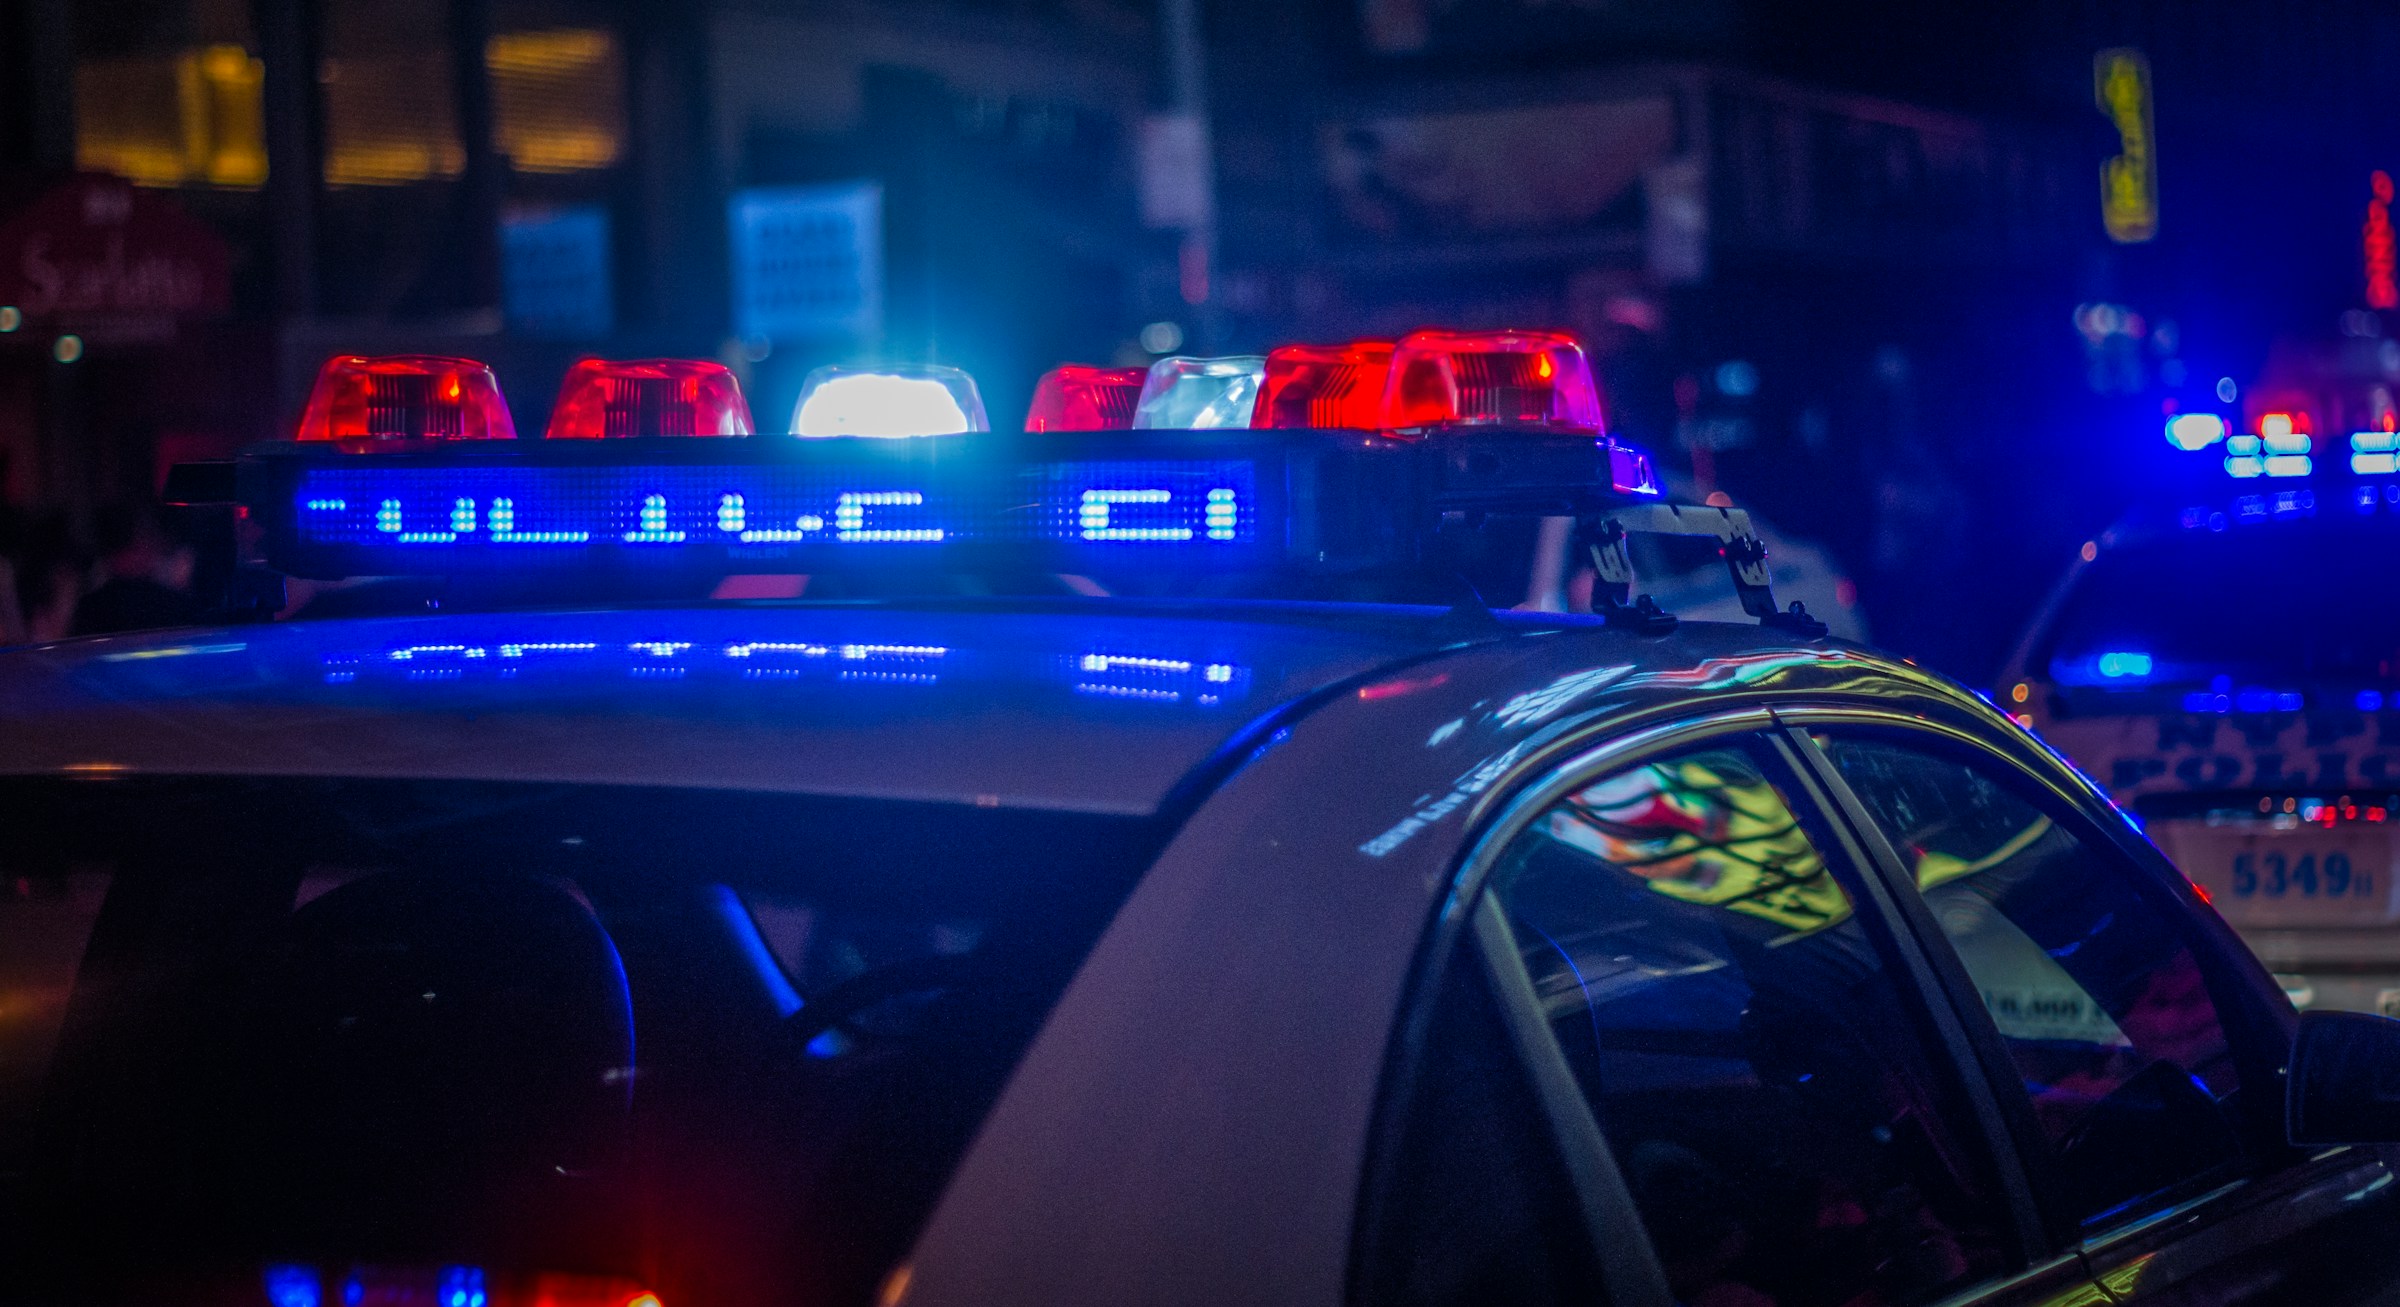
x,y
2230,669
953,942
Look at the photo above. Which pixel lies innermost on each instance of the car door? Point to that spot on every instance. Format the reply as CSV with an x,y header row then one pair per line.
x,y
1748,1099
2138,1053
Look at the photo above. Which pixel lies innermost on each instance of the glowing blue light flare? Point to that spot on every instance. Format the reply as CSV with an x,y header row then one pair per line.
x,y
2123,665
2369,701
2288,465
912,401
460,1286
2195,431
294,1286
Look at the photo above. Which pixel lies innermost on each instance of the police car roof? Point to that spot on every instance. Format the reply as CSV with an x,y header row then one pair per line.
x,y
1096,706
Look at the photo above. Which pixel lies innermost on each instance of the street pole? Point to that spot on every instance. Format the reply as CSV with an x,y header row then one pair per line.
x,y
1187,95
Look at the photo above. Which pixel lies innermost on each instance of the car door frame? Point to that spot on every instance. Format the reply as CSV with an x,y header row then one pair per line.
x,y
2285,1191
1471,919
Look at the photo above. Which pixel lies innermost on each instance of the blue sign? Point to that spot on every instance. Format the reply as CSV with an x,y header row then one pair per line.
x,y
808,261
554,272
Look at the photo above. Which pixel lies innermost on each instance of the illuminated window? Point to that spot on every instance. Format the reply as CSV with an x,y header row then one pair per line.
x,y
559,99
390,102
194,117
389,121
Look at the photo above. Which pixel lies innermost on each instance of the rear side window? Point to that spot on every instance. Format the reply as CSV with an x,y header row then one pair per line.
x,y
582,1043
1763,1080
1476,1206
2101,1002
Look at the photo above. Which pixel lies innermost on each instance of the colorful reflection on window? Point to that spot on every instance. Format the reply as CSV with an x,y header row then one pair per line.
x,y
1704,829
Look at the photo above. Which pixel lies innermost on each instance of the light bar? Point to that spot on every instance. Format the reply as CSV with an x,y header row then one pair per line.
x,y
1328,387
1445,378
1318,501
923,399
601,400
406,397
1080,397
1200,394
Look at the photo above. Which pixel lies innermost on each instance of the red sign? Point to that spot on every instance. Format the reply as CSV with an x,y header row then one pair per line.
x,y
2383,290
97,252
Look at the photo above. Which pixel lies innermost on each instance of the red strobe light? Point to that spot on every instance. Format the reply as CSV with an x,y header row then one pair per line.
x,y
650,397
406,397
1480,377
1080,397
1334,387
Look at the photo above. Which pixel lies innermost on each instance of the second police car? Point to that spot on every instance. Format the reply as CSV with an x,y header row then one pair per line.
x,y
2228,665
958,943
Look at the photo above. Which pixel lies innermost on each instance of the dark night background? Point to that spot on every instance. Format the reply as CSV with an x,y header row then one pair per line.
x,y
1843,261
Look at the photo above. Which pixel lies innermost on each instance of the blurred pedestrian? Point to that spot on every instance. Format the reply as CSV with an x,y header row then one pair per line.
x,y
146,576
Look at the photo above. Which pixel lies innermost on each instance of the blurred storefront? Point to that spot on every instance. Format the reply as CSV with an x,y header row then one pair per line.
x,y
1846,264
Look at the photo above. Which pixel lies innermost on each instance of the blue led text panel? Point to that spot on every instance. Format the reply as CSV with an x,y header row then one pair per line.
x,y
443,514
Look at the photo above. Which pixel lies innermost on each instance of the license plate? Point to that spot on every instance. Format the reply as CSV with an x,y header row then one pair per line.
x,y
2305,876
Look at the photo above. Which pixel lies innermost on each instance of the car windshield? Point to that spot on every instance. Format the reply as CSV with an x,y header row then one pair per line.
x,y
382,1040
2192,606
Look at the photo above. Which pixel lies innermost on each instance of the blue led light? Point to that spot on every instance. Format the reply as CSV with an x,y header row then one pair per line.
x,y
1224,512
2120,664
1128,692
2369,701
2256,700
504,528
294,1286
850,518
858,652
1105,662
776,646
651,526
1096,508
453,510
460,1286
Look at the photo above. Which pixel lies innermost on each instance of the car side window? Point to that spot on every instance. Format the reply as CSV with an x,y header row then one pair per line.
x,y
2096,992
1476,1205
1771,1096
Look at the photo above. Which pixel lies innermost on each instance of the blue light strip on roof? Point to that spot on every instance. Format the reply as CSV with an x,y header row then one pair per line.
x,y
451,510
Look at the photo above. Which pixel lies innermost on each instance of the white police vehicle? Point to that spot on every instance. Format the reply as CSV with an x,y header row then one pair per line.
x,y
2230,669
976,949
